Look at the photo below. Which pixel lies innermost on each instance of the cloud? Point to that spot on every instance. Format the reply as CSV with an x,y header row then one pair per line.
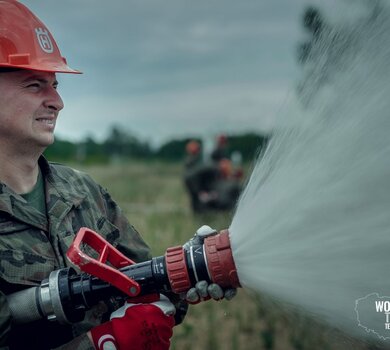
x,y
193,65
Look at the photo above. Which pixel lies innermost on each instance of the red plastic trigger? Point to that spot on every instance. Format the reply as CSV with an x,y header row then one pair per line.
x,y
98,267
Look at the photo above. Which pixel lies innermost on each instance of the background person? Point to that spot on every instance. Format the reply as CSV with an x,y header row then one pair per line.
x,y
213,184
220,150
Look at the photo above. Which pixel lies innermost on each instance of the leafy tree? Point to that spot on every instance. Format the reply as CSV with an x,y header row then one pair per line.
x,y
174,150
61,150
122,143
90,151
249,145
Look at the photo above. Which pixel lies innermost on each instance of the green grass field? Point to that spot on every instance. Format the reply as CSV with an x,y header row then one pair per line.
x,y
153,198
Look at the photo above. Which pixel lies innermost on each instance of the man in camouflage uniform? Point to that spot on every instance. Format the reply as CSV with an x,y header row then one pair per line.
x,y
33,244
43,205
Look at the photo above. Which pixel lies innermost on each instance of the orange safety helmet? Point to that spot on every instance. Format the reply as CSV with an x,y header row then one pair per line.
x,y
26,43
222,140
193,147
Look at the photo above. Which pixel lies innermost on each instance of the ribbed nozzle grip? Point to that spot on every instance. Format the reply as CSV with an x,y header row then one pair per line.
x,y
220,261
177,269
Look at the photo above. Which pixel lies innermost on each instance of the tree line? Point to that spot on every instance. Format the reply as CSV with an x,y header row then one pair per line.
x,y
122,145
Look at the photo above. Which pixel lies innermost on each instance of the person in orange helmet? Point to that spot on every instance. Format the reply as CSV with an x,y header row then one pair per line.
x,y
44,204
220,150
193,154
198,176
193,147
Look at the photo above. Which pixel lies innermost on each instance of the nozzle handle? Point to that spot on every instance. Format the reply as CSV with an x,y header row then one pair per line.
x,y
87,238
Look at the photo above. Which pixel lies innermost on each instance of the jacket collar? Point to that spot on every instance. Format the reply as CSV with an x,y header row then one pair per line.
x,y
60,198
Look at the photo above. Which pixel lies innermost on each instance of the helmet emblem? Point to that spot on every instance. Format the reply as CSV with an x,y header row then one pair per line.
x,y
44,40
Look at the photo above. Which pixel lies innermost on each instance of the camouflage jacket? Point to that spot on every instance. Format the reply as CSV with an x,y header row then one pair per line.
x,y
32,245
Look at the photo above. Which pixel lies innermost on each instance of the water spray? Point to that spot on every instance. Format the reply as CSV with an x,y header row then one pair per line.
x,y
66,295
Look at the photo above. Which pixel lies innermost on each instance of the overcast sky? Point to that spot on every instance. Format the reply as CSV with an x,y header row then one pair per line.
x,y
173,68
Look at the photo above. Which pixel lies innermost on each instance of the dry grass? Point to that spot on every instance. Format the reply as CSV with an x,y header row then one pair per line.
x,y
154,199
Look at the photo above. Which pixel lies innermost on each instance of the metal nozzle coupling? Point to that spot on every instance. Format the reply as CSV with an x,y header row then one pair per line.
x,y
211,261
220,263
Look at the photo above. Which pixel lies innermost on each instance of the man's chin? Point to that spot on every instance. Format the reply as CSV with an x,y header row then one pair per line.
x,y
46,141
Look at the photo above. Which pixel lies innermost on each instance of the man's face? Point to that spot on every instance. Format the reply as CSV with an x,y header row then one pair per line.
x,y
29,107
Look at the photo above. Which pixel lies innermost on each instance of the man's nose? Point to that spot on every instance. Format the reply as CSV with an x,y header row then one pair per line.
x,y
54,100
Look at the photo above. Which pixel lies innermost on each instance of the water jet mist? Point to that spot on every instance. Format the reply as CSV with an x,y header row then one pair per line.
x,y
312,227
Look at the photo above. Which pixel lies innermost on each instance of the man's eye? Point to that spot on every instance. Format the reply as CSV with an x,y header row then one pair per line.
x,y
34,85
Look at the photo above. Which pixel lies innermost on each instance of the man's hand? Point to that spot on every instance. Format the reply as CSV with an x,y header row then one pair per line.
x,y
137,326
203,290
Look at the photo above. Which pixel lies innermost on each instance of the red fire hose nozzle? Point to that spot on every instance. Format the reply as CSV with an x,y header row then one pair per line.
x,y
65,295
211,260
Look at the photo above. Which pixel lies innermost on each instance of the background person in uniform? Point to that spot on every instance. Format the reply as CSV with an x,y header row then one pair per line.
x,y
220,150
199,177
212,185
